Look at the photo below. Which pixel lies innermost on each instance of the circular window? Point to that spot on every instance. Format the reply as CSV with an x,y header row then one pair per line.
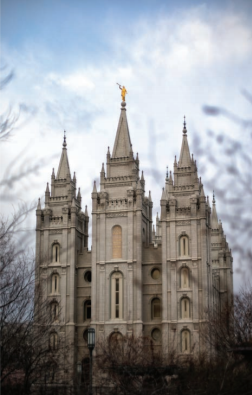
x,y
85,335
155,274
156,334
88,276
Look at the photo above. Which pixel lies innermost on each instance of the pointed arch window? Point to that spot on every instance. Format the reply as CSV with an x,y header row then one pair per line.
x,y
185,308
155,309
184,277
56,252
116,296
55,283
117,242
185,342
183,246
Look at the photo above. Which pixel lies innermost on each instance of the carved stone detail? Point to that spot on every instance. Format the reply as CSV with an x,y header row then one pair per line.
x,y
112,215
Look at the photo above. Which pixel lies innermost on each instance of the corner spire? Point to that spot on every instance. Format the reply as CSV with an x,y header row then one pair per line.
x,y
86,211
39,205
122,145
64,168
214,217
185,157
94,187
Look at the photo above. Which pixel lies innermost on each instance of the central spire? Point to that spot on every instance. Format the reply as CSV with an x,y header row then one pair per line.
x,y
64,168
122,145
185,157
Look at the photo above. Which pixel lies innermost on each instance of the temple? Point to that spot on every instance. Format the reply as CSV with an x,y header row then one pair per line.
x,y
138,278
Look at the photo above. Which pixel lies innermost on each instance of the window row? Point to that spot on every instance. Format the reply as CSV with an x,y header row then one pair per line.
x,y
55,289
117,305
185,309
117,245
156,335
184,276
185,339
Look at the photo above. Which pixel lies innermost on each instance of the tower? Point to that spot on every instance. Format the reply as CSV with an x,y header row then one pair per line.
x,y
61,241
186,255
121,222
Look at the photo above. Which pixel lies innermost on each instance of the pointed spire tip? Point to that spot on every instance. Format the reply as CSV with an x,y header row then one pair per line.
x,y
64,141
184,129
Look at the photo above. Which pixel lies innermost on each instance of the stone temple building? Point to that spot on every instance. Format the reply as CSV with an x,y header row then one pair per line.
x,y
136,279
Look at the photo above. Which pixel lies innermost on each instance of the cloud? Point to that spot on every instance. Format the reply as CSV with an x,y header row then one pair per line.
x,y
77,82
171,66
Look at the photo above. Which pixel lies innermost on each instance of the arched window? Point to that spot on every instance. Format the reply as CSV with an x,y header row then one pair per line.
x,y
53,341
55,283
185,308
184,246
116,295
87,310
56,253
54,311
155,309
117,242
184,277
185,342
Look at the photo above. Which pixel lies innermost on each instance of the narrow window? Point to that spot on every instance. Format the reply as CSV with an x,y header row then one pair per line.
x,y
56,253
185,308
53,341
185,342
184,278
55,283
183,245
155,309
54,311
87,310
117,242
116,296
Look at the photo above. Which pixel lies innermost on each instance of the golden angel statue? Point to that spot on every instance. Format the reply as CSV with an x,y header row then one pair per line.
x,y
124,91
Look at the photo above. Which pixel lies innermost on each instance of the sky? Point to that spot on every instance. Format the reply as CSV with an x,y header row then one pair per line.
x,y
174,57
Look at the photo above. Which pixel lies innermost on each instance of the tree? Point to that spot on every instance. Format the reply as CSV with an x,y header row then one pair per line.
x,y
133,366
229,171
31,351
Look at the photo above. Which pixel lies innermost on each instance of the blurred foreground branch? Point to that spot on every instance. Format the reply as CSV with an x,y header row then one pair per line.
x,y
227,166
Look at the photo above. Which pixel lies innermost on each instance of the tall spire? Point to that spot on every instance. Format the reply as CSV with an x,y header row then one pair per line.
x,y
122,145
185,157
215,223
64,168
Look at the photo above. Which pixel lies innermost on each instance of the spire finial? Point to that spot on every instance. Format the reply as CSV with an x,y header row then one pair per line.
x,y
184,129
213,198
64,142
167,172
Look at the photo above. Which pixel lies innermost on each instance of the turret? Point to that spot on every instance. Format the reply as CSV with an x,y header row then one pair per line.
x,y
47,195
